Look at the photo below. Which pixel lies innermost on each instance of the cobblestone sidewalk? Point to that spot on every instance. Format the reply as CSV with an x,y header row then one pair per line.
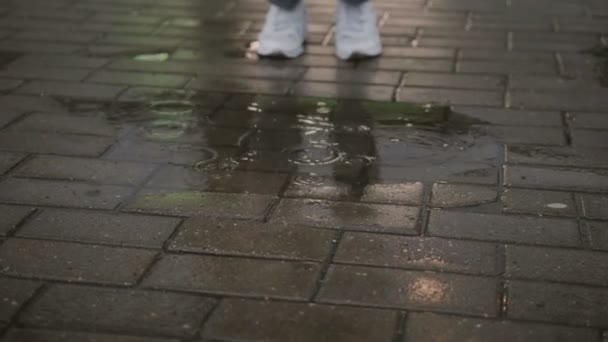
x,y
159,183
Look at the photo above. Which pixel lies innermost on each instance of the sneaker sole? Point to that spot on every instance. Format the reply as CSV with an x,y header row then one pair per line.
x,y
279,52
360,52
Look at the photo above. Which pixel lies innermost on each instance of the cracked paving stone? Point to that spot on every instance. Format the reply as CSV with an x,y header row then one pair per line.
x,y
348,216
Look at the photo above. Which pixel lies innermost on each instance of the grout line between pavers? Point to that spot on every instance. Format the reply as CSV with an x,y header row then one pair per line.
x,y
24,306
400,326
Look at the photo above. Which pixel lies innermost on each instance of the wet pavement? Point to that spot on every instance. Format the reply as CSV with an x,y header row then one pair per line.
x,y
158,182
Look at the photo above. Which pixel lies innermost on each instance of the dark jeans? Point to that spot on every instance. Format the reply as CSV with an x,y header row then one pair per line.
x,y
291,3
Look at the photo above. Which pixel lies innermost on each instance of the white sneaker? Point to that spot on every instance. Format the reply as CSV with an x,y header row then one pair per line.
x,y
284,32
357,32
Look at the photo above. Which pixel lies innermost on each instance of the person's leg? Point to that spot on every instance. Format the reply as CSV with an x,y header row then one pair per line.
x,y
357,32
285,29
288,4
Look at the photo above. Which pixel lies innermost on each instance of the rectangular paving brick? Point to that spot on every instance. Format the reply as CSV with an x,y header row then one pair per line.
x,y
84,169
450,96
118,311
506,228
410,290
73,262
466,172
191,203
66,144
10,216
556,178
428,327
14,293
562,265
558,303
234,276
444,80
499,67
598,232
78,90
349,216
8,160
558,156
239,85
9,115
154,152
589,120
580,100
53,60
352,76
522,135
246,238
56,193
25,103
248,320
589,138
408,64
43,122
45,73
177,177
100,227
538,202
136,78
417,253
344,91
20,335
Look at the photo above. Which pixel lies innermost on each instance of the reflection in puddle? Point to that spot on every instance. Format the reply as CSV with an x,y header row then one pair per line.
x,y
152,57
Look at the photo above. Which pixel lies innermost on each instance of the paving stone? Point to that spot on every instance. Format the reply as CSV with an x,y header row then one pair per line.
x,y
135,78
595,206
352,76
450,96
73,262
558,156
249,320
234,276
11,216
408,64
506,228
499,67
538,202
8,160
22,103
177,177
118,311
42,122
81,169
562,265
454,171
522,135
558,303
191,203
100,227
245,238
55,143
9,115
344,91
598,232
55,193
459,195
417,253
239,85
14,293
453,81
44,73
410,290
9,84
545,83
428,327
201,99
350,216
20,335
78,90
580,100
556,178
60,61
589,138
589,120
155,152
394,193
